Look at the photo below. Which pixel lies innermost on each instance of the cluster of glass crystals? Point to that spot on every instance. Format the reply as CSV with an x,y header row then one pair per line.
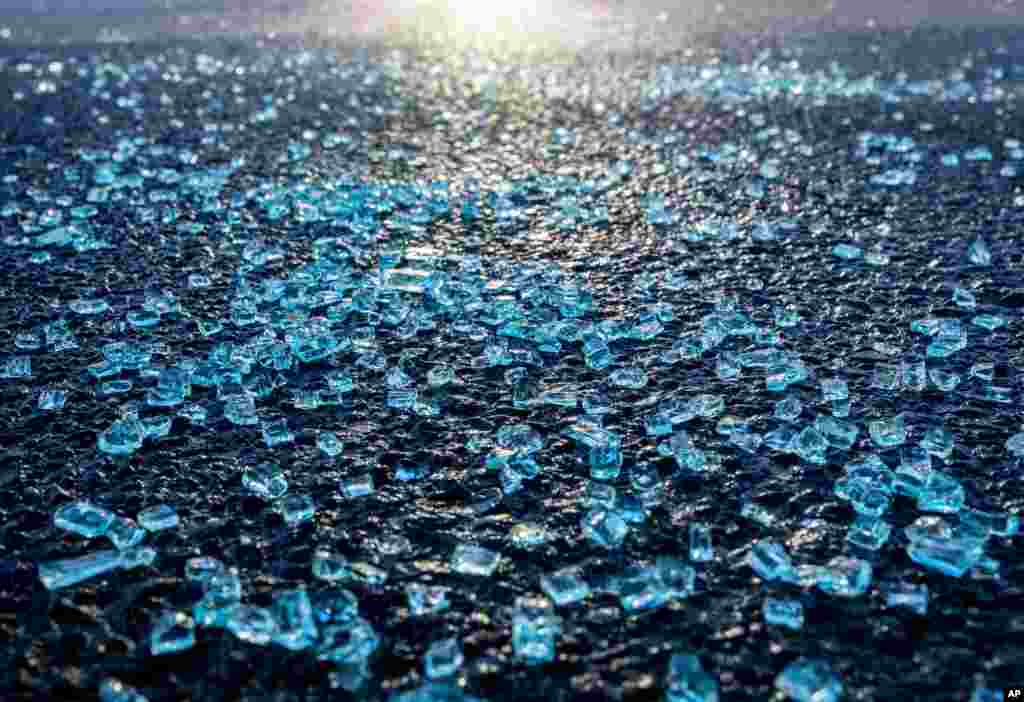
x,y
323,332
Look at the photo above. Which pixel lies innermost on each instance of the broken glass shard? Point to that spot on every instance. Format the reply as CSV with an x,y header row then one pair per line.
x,y
335,606
83,518
604,528
888,433
113,690
330,566
63,573
265,480
642,589
834,389
788,409
296,509
809,680
276,432
158,518
51,399
223,594
528,535
838,433
811,446
349,643
941,493
251,624
677,577
137,557
771,562
202,569
845,577
535,630
521,438
687,681
780,612
868,532
951,556
173,632
938,442
701,548
125,533
426,599
359,486
998,523
124,437
909,595
293,614
443,659
329,443
565,587
469,559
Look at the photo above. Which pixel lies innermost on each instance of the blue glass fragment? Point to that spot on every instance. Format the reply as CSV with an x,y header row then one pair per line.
x,y
330,566
351,642
137,557
941,493
329,443
52,399
469,559
276,432
997,523
535,630
158,517
604,528
56,575
845,577
83,518
868,532
687,681
809,680
565,587
125,533
641,589
837,432
251,624
520,438
787,613
701,548
296,509
443,659
811,446
172,632
909,595
771,562
426,599
124,437
223,593
265,480
688,457
358,486
888,433
17,367
202,569
952,556
678,578
788,409
293,613
113,690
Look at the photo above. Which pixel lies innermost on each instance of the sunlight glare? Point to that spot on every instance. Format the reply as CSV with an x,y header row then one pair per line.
x,y
486,16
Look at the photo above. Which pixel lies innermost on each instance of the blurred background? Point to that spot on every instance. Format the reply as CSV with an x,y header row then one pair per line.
x,y
565,21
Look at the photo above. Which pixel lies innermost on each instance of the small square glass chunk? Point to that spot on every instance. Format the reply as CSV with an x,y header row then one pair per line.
x,y
470,559
158,518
